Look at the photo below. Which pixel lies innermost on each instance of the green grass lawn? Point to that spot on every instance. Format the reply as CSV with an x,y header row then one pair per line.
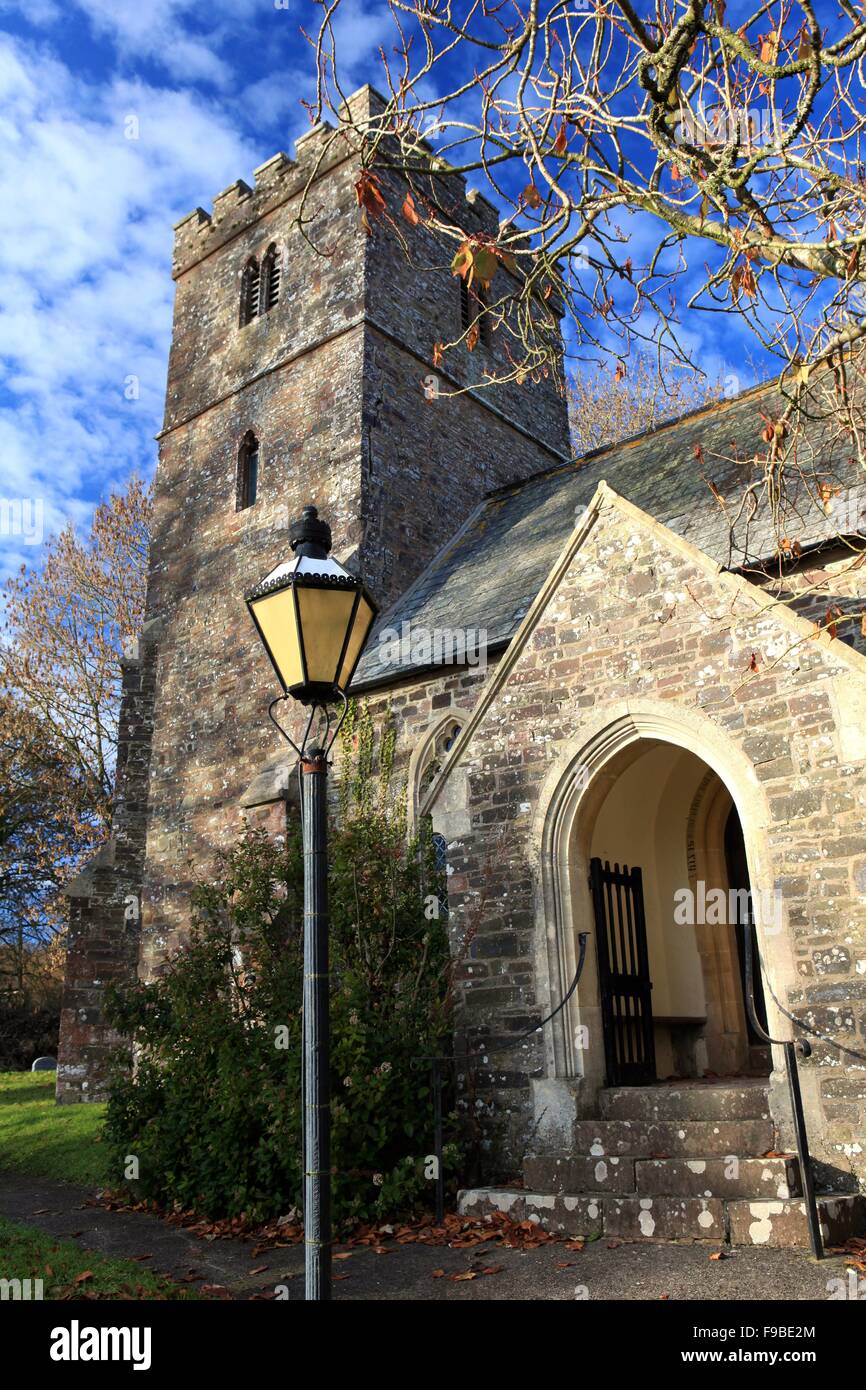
x,y
48,1140
69,1273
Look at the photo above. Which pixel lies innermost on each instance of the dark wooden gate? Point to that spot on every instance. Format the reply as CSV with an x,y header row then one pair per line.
x,y
624,978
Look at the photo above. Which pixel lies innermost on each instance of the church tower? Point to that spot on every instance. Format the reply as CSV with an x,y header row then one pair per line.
x,y
301,370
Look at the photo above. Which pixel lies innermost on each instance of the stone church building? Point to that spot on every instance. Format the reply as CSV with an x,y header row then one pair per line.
x,y
620,715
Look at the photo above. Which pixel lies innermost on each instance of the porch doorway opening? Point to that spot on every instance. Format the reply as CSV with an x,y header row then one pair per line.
x,y
671,901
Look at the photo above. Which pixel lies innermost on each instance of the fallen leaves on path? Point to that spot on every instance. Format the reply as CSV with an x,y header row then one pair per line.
x,y
454,1232
855,1250
462,1233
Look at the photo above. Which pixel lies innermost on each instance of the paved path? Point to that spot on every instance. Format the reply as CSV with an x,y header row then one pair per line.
x,y
627,1272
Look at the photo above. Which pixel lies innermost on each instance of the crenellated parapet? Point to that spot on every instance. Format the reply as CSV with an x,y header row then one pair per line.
x,y
317,151
240,205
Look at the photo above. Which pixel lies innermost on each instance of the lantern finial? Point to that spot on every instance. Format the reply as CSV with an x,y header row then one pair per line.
x,y
309,535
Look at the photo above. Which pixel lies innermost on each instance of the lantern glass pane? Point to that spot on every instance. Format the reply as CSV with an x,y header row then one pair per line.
x,y
275,614
360,630
325,615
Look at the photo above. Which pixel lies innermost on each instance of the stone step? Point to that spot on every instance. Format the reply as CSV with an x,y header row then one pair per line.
x,y
664,1218
698,1101
574,1216
671,1138
742,1222
784,1223
729,1178
569,1174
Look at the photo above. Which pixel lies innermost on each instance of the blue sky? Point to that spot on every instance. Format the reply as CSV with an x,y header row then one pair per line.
x,y
86,212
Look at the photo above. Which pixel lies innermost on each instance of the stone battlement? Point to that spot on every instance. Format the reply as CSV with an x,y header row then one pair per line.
x,y
280,178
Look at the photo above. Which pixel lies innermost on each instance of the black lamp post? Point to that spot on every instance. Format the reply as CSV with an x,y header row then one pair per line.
x,y
313,618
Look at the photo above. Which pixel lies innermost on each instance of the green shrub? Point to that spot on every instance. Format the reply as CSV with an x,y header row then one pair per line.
x,y
212,1110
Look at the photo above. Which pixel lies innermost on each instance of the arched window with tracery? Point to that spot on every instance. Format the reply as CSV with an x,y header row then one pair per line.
x,y
440,860
434,754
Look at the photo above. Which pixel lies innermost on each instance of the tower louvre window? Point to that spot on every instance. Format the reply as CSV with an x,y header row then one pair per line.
x,y
483,317
465,307
251,283
270,286
473,304
248,471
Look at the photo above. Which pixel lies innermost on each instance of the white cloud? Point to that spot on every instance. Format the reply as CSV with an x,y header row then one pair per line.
x,y
85,287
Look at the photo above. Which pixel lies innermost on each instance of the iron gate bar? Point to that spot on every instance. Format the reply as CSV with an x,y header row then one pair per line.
x,y
624,979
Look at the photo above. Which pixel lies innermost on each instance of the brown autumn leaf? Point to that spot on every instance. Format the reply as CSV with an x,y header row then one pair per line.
x,y
409,211
462,263
753,663
368,192
484,266
463,1278
344,1255
560,144
259,1269
768,47
531,196
84,1277
717,1255
472,337
438,1274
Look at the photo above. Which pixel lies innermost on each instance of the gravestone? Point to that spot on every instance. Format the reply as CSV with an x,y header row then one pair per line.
x,y
44,1064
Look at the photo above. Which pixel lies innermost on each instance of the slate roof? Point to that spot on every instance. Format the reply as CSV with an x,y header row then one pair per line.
x,y
488,576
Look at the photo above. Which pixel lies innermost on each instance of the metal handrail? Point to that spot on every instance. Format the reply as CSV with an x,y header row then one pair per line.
x,y
790,1049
